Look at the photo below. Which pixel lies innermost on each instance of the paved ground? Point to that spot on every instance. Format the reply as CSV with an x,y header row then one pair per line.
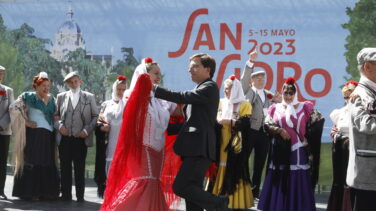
x,y
92,201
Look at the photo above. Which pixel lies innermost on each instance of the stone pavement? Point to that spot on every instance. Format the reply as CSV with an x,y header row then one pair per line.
x,y
92,202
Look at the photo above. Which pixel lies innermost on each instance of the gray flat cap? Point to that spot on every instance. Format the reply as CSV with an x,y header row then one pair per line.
x,y
70,75
366,55
2,68
259,72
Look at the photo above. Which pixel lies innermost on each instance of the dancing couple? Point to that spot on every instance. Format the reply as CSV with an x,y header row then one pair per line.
x,y
134,181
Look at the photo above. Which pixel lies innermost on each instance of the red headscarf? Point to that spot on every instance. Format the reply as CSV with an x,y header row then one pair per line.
x,y
127,156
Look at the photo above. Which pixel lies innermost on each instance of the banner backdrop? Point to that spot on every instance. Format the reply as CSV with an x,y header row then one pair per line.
x,y
300,38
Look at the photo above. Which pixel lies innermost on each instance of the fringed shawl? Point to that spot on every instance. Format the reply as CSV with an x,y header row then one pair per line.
x,y
17,111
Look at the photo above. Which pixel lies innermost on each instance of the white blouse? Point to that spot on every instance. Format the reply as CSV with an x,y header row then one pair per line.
x,y
341,118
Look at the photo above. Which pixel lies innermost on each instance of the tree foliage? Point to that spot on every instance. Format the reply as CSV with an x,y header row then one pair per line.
x,y
362,28
91,72
30,57
24,55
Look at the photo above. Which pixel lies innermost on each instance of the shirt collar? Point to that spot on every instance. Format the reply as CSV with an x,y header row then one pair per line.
x,y
368,82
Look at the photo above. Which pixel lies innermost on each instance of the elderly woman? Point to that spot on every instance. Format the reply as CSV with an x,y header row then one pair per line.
x,y
36,177
339,196
233,173
287,183
112,111
107,132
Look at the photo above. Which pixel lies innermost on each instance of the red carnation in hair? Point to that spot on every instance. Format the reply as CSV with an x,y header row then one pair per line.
x,y
232,77
351,82
269,96
148,60
122,78
290,80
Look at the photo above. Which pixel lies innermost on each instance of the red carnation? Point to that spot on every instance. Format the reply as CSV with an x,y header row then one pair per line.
x,y
269,96
3,93
122,78
148,60
351,82
290,80
232,77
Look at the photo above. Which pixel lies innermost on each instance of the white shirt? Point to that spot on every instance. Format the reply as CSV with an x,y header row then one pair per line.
x,y
368,82
260,92
74,97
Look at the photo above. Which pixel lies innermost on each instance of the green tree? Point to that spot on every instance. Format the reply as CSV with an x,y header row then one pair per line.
x,y
91,72
121,68
13,75
362,28
125,67
33,57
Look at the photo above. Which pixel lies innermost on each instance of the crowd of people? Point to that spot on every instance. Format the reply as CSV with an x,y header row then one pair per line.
x,y
213,138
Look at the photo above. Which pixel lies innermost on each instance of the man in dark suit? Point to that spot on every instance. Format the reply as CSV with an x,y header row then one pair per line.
x,y
196,142
6,98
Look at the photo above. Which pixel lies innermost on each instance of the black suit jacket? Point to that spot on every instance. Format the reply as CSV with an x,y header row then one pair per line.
x,y
197,135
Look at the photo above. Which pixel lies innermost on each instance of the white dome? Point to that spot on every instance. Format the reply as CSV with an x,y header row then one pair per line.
x,y
69,27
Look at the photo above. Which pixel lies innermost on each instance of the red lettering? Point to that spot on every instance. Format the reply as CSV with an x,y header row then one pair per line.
x,y
204,28
223,65
268,47
297,74
236,42
187,33
308,85
254,45
274,32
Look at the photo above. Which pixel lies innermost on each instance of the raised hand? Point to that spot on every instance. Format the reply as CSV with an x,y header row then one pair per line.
x,y
253,55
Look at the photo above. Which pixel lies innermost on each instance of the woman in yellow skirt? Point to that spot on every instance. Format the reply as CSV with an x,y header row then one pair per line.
x,y
233,173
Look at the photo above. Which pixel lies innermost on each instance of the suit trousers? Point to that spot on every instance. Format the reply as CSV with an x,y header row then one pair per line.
x,y
362,200
260,146
74,150
188,184
4,148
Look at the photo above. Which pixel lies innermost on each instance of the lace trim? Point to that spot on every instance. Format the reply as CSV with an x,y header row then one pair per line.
x,y
123,194
292,167
149,162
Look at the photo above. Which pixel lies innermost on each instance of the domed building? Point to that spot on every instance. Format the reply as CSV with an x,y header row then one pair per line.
x,y
68,38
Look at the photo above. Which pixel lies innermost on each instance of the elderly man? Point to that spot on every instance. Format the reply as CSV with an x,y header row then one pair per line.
x,y
260,99
76,116
6,98
361,170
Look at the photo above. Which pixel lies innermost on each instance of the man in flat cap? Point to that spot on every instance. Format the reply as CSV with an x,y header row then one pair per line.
x,y
361,170
76,116
6,98
260,99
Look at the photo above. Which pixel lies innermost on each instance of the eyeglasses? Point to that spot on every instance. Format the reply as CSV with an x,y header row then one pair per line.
x,y
291,93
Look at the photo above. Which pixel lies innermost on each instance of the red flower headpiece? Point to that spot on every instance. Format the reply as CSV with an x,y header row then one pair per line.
x,y
290,80
351,82
269,96
232,77
148,60
122,78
